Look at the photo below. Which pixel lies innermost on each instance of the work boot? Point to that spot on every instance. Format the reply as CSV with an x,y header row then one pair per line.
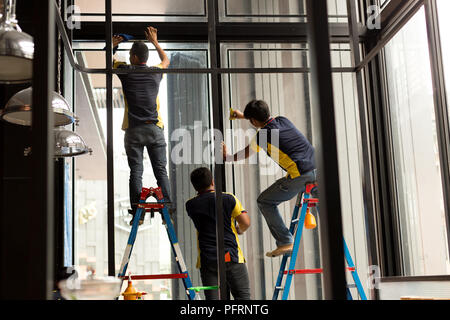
x,y
133,213
281,250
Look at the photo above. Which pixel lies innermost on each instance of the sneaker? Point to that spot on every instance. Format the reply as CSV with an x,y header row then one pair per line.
x,y
141,220
281,250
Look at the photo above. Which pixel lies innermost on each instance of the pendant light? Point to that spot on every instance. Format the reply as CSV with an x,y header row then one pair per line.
x,y
16,47
18,109
69,144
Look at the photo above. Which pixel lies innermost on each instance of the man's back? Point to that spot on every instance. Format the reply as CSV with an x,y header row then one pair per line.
x,y
201,209
141,95
286,145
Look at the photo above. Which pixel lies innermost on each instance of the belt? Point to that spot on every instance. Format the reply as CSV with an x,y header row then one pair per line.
x,y
151,122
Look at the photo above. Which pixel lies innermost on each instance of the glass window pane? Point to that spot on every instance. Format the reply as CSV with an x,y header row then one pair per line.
x,y
275,11
141,10
90,183
444,26
288,95
184,108
415,151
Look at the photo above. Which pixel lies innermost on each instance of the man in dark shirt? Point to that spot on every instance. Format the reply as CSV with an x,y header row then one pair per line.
x,y
202,210
290,149
142,123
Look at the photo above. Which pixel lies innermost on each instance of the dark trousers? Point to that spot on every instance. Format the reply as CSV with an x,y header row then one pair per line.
x,y
238,282
151,137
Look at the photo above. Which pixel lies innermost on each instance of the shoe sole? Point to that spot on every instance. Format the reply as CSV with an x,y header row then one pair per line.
x,y
273,255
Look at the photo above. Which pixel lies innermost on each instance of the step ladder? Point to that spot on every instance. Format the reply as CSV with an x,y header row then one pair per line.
x,y
144,206
305,201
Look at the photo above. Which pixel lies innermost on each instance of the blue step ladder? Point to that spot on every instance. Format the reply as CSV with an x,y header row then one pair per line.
x,y
305,201
144,206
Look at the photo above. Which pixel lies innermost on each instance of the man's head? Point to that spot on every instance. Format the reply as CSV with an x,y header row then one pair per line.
x,y
201,179
139,53
257,112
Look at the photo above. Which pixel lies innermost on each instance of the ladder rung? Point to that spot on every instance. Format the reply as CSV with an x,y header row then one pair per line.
x,y
279,288
295,220
157,276
308,271
303,271
197,289
351,285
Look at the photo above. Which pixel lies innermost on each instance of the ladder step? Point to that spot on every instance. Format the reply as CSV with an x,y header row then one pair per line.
x,y
351,285
157,276
303,271
279,288
309,271
295,220
197,289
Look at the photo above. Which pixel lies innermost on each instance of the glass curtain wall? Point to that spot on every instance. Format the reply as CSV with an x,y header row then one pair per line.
x,y
416,164
187,116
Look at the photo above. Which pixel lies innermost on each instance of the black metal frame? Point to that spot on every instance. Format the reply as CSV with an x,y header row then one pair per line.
x,y
42,236
380,209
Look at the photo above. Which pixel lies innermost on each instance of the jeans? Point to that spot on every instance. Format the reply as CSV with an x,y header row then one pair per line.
x,y
152,137
282,190
237,280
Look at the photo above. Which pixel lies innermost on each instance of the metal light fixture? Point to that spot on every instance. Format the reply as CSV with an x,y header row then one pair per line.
x,y
16,47
18,109
69,144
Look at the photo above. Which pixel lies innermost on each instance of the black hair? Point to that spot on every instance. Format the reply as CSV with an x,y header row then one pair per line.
x,y
258,110
201,178
140,50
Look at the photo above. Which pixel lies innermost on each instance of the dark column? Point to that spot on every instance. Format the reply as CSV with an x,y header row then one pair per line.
x,y
41,233
109,139
324,131
218,165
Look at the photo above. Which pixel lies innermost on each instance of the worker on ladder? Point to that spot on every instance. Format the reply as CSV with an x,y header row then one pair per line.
x,y
142,122
287,146
201,209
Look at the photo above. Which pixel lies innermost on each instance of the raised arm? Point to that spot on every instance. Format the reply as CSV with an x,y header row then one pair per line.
x,y
240,155
152,36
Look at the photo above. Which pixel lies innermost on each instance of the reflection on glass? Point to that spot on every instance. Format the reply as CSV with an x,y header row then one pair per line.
x,y
415,151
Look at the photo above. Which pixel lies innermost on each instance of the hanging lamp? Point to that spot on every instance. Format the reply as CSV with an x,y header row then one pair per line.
x,y
16,47
69,144
18,109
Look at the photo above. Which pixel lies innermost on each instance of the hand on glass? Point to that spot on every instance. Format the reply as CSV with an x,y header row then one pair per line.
x,y
224,151
116,40
152,34
236,114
